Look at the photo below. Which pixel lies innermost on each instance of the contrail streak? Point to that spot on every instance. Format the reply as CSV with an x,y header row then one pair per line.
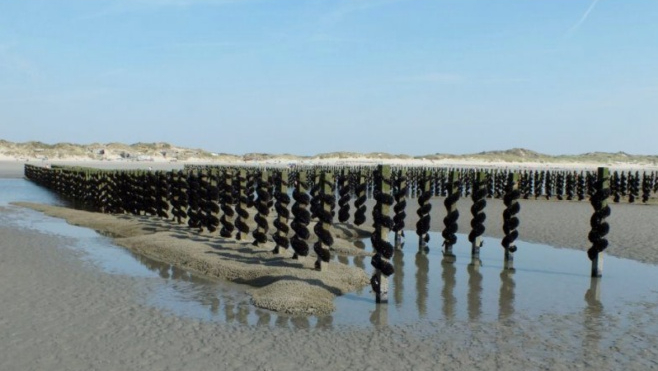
x,y
582,20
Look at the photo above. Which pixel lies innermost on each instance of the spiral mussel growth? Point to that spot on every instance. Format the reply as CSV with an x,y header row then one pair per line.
x,y
211,205
383,223
466,183
510,220
646,187
499,183
241,207
360,201
491,184
559,186
227,201
452,213
150,197
325,218
401,191
600,227
615,185
262,208
194,201
633,186
280,237
162,195
581,186
479,198
344,197
538,184
315,184
549,185
570,186
526,184
301,216
423,212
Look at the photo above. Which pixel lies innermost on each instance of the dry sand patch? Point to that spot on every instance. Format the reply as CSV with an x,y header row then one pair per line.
x,y
279,282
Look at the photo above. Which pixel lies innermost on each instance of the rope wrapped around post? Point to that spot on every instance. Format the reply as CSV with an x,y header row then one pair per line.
x,y
344,196
324,213
241,207
227,200
359,203
301,217
600,227
510,221
383,223
262,206
400,205
280,237
450,220
479,198
424,208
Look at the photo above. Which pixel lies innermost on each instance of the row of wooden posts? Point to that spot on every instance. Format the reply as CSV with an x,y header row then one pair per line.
x,y
219,198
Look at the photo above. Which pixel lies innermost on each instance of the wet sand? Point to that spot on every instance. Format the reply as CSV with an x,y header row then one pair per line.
x,y
59,314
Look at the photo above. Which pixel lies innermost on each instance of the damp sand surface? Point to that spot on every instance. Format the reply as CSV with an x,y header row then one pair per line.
x,y
59,313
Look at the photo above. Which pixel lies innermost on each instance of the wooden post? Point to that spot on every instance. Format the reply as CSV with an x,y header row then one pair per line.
x,y
452,214
478,196
241,207
600,203
322,248
511,198
400,205
281,234
383,230
424,207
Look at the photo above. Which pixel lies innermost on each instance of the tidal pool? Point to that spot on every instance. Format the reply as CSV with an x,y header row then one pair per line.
x,y
425,288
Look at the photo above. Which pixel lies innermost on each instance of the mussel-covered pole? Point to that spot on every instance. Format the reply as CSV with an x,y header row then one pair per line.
x,y
479,198
360,202
510,221
262,206
325,217
400,205
241,206
452,214
383,223
424,208
226,201
281,206
301,216
600,227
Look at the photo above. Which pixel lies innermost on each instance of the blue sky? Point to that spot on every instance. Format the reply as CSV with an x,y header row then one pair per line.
x,y
313,76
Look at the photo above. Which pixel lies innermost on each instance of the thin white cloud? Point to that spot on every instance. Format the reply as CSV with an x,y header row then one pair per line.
x,y
582,19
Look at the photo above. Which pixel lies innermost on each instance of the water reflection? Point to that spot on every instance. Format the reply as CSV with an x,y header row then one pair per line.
x,y
398,277
448,274
474,292
506,295
593,317
457,292
422,281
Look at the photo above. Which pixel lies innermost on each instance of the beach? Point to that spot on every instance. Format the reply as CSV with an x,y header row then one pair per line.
x,y
58,312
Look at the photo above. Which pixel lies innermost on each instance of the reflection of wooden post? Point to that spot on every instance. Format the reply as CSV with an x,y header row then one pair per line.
x,y
599,225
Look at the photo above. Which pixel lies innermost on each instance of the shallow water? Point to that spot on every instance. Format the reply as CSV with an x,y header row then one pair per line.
x,y
546,281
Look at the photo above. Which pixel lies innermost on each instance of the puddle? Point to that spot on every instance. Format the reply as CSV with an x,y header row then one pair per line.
x,y
424,289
